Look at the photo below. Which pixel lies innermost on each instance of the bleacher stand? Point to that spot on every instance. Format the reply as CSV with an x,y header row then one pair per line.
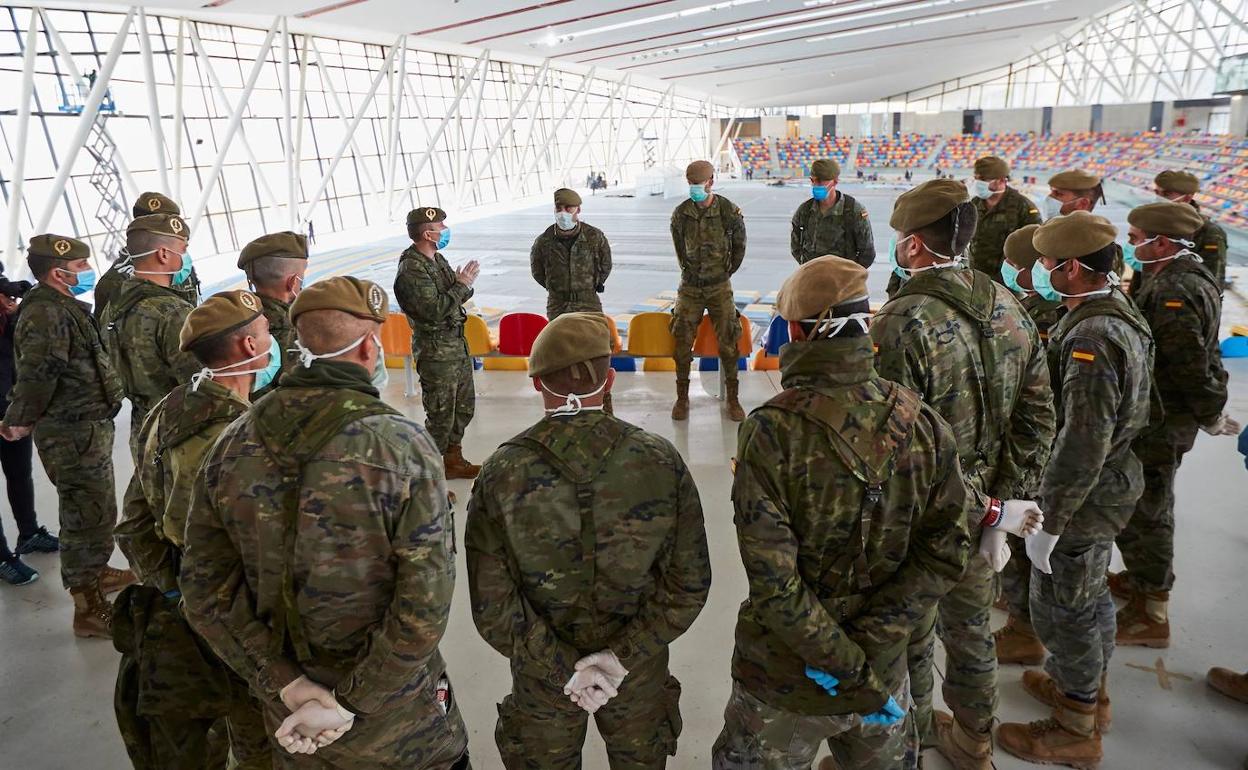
x,y
901,151
753,153
961,151
796,155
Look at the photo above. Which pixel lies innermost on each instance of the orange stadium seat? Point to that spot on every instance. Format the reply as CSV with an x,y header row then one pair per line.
x,y
706,346
396,340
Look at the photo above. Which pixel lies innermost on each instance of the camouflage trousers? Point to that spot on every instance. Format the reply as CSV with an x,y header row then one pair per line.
x,y
576,302
78,458
1147,542
137,417
539,728
716,300
757,736
1016,581
1073,614
446,388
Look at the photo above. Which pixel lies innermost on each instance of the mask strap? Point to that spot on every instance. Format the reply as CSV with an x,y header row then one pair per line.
x,y
306,357
211,374
572,401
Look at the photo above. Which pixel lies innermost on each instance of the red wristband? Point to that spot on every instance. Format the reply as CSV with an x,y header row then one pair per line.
x,y
994,515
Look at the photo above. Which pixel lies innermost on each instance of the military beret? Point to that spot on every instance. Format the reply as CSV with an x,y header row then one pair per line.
x,y
360,298
1019,249
171,225
923,205
58,247
423,215
1074,179
154,203
825,169
699,171
991,167
570,339
566,197
1181,182
1074,235
1177,220
821,283
219,314
286,245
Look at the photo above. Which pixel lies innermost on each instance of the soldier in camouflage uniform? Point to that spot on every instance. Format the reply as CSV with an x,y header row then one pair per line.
x,y
831,222
587,557
433,296
1001,210
275,265
1210,238
1077,190
67,393
1182,304
570,260
319,554
171,689
966,346
1100,356
708,233
851,517
110,283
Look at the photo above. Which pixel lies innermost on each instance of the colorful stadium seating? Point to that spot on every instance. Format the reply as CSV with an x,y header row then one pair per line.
x,y
796,155
961,151
753,153
902,151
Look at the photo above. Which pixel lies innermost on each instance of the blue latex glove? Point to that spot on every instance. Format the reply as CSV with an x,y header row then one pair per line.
x,y
823,679
890,714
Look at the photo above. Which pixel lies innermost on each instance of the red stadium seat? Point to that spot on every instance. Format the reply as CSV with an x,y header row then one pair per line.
x,y
517,331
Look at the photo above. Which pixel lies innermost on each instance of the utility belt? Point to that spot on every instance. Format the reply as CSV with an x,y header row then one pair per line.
x,y
702,283
574,296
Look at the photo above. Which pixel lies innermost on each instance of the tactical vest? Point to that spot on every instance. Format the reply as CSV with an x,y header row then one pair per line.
x,y
847,222
117,311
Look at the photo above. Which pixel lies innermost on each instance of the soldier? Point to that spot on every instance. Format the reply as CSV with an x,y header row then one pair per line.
x,y
570,259
142,323
1181,302
708,233
171,689
966,346
1210,238
319,559
275,265
433,296
67,393
1076,190
1100,355
570,525
110,283
831,222
1001,210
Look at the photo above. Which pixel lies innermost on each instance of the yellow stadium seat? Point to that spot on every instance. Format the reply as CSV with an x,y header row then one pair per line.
x,y
478,336
1239,330
650,335
658,365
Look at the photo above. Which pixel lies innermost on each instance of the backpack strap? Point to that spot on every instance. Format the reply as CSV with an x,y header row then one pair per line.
x,y
847,221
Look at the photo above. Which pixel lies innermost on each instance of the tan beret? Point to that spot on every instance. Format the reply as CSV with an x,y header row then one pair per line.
x,y
60,247
923,205
423,215
1181,182
1074,235
154,203
566,197
991,167
825,169
699,171
171,225
1074,179
568,340
1178,220
284,245
821,283
1019,249
360,298
219,314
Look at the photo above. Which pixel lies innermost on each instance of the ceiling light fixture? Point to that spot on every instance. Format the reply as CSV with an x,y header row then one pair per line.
x,y
720,6
916,22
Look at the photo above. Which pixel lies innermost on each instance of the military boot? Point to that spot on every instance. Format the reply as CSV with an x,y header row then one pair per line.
x,y
1067,738
93,615
606,405
735,412
456,466
1041,686
962,748
1145,621
113,580
1119,585
680,410
1017,643
1229,683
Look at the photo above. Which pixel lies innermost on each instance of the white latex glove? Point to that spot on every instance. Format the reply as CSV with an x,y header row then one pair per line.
x,y
596,681
994,549
302,690
1223,426
313,726
1020,517
607,662
1039,547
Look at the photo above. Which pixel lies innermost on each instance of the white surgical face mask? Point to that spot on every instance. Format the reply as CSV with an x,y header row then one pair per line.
x,y
273,352
830,327
572,401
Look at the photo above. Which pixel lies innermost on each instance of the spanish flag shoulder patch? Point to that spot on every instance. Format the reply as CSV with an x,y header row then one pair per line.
x,y
1211,247
1173,303
875,348
1083,355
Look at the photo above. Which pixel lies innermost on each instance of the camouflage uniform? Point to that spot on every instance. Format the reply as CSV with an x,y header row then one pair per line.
x,y
278,315
1211,247
1182,305
67,389
572,267
710,246
850,511
433,300
967,347
585,533
844,230
1013,211
171,689
319,541
109,286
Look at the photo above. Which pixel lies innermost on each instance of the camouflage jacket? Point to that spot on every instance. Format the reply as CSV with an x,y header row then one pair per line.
x,y
107,288
970,351
63,371
1013,211
709,242
1211,248
176,435
1100,356
319,538
1182,305
278,315
141,329
838,581
1044,313
433,300
571,264
584,533
843,233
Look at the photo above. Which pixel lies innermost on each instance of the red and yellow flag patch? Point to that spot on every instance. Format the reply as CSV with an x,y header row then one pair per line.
x,y
1083,355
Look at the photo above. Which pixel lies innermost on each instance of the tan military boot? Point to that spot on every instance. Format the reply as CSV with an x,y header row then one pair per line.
x,y
1017,643
456,466
1145,621
1068,738
735,412
1041,686
1119,585
93,615
680,410
113,580
962,748
1229,683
